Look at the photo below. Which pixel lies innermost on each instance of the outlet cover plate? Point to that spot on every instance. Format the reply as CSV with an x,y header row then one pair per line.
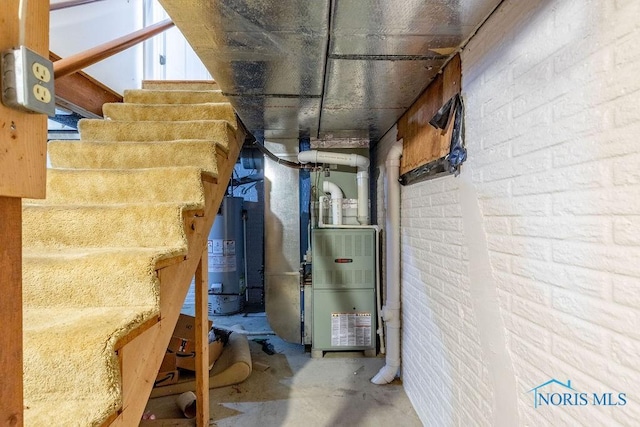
x,y
27,81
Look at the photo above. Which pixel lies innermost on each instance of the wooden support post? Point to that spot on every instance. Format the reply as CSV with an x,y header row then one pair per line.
x,y
23,161
11,310
202,342
23,136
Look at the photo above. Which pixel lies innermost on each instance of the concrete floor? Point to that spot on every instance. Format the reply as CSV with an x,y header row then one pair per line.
x,y
297,390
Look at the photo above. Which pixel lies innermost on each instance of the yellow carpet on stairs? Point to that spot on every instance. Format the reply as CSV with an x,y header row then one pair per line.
x,y
169,111
147,96
114,208
199,153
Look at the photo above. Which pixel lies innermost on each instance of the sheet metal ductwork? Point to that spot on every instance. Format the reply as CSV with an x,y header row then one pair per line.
x,y
325,68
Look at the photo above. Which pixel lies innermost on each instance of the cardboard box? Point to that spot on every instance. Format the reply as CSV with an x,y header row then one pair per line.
x,y
183,344
188,360
168,373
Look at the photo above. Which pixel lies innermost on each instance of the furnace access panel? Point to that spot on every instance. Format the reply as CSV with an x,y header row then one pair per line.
x,y
343,275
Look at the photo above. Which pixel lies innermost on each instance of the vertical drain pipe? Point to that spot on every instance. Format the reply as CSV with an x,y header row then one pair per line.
x,y
391,309
244,254
362,179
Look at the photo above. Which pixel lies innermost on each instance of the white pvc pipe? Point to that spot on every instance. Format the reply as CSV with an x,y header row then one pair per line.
x,y
315,156
380,329
353,160
244,254
363,196
321,200
336,201
391,309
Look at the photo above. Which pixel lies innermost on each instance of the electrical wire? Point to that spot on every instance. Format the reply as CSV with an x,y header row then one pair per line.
x,y
230,189
278,160
247,179
22,22
316,187
246,189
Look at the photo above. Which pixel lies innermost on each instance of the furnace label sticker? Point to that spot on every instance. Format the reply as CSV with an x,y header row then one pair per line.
x,y
350,329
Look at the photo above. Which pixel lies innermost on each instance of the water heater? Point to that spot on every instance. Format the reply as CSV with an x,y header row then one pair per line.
x,y
225,249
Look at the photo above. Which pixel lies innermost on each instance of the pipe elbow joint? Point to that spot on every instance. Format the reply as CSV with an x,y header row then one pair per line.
x,y
333,189
393,157
387,374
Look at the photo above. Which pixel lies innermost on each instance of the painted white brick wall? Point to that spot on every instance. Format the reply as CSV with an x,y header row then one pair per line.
x,y
443,374
552,92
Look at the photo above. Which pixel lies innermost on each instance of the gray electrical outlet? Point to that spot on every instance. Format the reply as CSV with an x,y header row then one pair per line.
x,y
27,81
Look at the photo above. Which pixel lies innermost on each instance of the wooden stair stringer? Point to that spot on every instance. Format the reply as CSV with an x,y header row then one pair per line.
x,y
140,358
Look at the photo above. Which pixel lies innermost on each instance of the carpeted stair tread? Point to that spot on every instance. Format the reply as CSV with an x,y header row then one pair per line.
x,y
134,154
92,412
220,131
104,186
146,96
59,343
126,225
170,112
114,214
180,85
68,278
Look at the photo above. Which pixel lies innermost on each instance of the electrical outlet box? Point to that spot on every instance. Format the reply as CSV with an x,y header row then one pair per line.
x,y
27,81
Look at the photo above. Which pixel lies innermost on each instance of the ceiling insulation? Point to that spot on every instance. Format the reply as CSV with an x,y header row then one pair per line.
x,y
325,68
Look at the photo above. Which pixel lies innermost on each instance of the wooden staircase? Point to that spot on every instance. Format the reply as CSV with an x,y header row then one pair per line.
x,y
137,343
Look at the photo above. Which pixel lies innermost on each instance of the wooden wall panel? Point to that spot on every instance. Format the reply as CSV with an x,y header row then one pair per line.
x,y
422,142
23,136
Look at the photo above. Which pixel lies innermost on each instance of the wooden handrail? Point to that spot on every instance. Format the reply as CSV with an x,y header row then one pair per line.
x,y
71,3
82,94
77,62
